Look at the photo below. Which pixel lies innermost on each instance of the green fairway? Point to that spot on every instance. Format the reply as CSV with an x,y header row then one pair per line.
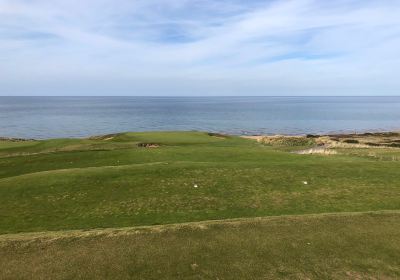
x,y
115,181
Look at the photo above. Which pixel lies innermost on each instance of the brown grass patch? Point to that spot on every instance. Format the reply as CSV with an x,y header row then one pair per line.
x,y
148,145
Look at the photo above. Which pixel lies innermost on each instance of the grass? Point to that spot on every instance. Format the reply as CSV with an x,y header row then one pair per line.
x,y
72,184
381,154
117,181
347,246
287,141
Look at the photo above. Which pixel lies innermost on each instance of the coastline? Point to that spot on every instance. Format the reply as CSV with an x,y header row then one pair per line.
x,y
81,117
257,137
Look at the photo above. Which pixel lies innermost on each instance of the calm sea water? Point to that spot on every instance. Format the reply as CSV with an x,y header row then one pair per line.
x,y
49,117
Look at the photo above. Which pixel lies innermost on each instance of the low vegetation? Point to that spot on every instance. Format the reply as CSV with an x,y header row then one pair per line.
x,y
280,140
159,178
378,139
346,246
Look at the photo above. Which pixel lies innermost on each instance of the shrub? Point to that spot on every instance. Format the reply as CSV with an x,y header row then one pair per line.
x,y
287,141
351,141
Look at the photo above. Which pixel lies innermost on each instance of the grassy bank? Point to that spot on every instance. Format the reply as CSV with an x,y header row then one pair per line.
x,y
346,246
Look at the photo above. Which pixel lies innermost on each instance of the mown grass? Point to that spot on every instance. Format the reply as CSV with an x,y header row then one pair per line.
x,y
118,181
65,184
347,246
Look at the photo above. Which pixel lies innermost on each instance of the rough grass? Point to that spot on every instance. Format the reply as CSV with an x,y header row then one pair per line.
x,y
316,151
287,141
379,139
347,246
381,154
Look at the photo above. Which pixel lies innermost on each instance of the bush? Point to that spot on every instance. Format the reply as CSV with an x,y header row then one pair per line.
x,y
287,141
351,141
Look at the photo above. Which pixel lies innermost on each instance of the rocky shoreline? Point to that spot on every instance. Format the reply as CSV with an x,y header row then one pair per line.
x,y
10,139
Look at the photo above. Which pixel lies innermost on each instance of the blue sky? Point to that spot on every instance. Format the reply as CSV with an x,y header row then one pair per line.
x,y
199,47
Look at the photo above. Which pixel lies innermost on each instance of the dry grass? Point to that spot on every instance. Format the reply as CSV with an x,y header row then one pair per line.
x,y
379,139
330,144
317,151
365,140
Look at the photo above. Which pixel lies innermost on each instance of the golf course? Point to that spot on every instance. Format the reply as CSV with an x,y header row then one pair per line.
x,y
198,205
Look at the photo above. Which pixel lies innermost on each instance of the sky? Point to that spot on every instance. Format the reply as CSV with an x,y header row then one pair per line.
x,y
199,47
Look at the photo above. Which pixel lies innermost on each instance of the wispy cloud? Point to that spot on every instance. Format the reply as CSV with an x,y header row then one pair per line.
x,y
199,47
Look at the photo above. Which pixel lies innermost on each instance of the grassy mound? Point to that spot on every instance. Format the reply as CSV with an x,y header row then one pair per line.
x,y
289,141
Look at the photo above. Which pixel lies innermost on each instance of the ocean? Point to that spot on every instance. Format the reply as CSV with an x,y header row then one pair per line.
x,y
54,117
